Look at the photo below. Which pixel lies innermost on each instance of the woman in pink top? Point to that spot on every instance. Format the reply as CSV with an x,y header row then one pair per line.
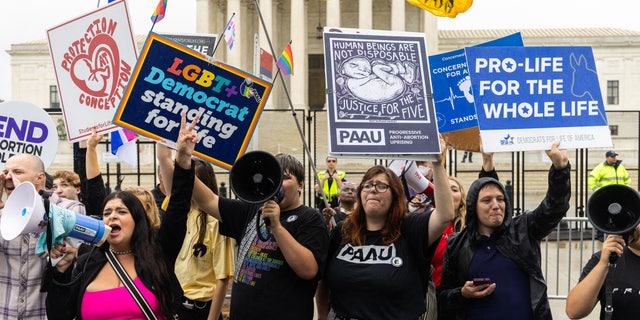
x,y
147,254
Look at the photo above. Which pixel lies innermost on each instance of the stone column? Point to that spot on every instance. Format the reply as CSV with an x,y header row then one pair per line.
x,y
234,57
333,13
298,82
397,15
365,14
207,20
430,27
266,8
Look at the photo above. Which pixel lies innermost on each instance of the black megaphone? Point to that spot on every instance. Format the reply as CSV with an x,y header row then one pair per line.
x,y
256,177
614,209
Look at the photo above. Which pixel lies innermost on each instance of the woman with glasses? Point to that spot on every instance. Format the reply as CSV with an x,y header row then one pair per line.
x,y
379,256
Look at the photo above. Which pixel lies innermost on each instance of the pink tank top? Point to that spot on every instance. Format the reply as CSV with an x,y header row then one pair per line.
x,y
117,303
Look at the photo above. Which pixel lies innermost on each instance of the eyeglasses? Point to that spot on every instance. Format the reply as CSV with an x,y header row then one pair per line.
x,y
380,187
332,160
349,189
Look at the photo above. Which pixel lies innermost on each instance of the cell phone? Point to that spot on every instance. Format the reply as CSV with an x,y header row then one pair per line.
x,y
481,281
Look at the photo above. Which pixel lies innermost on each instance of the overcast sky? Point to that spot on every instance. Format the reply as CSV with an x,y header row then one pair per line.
x,y
27,20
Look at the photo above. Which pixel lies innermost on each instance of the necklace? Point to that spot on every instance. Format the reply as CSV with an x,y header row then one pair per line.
x,y
119,253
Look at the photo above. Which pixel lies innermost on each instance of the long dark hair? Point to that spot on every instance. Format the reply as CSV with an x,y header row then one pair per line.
x,y
147,251
355,225
204,172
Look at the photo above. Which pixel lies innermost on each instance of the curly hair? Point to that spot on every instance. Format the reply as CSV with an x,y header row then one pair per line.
x,y
71,177
355,225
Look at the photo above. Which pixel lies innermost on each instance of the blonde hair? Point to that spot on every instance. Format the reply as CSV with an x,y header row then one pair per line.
x,y
461,210
149,204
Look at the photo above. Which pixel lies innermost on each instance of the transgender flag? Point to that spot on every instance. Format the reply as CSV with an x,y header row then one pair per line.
x,y
123,145
230,34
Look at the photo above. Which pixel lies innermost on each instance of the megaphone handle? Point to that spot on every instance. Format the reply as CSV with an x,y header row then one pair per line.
x,y
613,258
267,223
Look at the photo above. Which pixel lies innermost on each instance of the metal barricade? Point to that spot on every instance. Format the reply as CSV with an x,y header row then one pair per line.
x,y
565,252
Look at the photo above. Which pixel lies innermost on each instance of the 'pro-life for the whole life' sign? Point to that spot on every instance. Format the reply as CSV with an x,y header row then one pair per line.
x,y
528,97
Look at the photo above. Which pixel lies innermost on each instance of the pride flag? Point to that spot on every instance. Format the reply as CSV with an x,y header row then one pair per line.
x,y
123,145
230,33
285,62
158,14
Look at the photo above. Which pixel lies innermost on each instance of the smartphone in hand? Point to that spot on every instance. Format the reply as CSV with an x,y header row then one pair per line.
x,y
481,281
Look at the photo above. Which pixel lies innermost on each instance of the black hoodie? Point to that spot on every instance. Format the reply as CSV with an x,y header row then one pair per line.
x,y
518,238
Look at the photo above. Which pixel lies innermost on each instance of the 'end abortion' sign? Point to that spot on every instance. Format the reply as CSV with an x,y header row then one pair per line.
x,y
170,79
26,128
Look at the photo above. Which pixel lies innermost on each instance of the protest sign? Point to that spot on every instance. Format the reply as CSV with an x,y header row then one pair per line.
x,y
379,94
453,97
203,43
26,128
93,57
528,97
170,79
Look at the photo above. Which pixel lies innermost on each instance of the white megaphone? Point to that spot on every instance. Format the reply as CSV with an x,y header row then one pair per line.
x,y
24,213
415,179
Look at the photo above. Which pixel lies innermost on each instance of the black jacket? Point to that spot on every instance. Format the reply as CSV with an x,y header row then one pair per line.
x,y
517,239
64,301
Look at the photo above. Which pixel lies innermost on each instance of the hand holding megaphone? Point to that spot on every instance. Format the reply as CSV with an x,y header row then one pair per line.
x,y
611,248
271,214
64,255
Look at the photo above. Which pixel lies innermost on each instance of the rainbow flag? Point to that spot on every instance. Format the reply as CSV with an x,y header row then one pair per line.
x,y
158,14
123,145
285,62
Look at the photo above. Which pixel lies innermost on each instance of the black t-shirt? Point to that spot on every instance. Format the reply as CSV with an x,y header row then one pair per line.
x,y
376,281
265,286
625,285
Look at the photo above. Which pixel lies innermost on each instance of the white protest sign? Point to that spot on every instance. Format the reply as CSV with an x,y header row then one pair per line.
x,y
93,57
26,128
